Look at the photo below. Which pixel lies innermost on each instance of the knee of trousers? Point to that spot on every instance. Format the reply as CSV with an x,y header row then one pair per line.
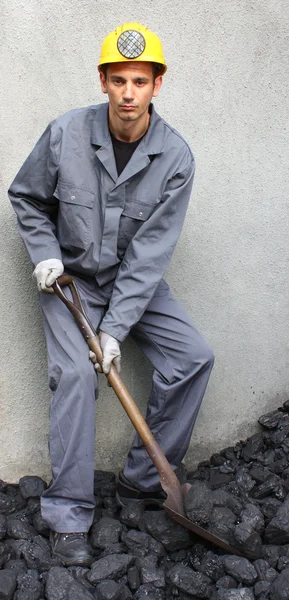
x,y
73,374
209,357
203,358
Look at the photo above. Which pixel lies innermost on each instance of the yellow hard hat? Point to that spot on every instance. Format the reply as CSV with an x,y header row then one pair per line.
x,y
129,42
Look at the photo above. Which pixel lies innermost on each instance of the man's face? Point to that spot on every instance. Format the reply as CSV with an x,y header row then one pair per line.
x,y
130,88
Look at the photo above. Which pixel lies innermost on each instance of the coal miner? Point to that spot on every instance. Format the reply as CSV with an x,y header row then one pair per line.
x,y
102,197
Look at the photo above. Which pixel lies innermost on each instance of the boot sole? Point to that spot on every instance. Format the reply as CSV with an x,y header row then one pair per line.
x,y
123,502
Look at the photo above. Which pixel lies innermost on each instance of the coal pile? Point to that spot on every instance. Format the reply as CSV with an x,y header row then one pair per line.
x,y
241,495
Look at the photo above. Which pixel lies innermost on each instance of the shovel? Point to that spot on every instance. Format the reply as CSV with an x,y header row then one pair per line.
x,y
174,503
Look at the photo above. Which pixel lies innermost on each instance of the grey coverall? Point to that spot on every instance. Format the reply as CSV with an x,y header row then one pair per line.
x,y
116,236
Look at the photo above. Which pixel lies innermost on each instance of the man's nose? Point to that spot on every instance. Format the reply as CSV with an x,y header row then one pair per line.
x,y
128,93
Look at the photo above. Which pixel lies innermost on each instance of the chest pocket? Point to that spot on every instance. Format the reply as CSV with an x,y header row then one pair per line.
x,y
74,226
138,204
134,214
138,210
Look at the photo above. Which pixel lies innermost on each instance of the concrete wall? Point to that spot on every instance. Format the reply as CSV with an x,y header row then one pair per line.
x,y
226,91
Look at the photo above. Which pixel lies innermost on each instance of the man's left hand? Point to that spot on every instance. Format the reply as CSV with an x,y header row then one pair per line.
x,y
110,352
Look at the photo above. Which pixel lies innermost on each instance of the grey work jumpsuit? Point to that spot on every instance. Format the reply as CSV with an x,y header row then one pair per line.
x,y
116,236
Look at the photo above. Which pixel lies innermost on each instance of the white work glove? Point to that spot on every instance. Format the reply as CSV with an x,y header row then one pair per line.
x,y
46,273
110,352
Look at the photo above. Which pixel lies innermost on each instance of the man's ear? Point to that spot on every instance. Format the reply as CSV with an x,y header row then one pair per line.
x,y
158,85
103,82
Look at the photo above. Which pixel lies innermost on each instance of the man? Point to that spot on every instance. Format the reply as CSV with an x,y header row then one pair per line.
x,y
103,196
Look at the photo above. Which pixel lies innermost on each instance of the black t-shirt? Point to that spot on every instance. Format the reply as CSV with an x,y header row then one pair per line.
x,y
123,151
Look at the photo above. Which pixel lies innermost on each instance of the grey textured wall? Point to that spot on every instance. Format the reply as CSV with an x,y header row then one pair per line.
x,y
226,91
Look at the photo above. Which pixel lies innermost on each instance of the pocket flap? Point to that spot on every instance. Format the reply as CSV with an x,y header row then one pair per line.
x,y
138,210
73,195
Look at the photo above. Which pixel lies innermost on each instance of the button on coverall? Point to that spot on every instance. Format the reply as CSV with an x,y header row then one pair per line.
x,y
116,236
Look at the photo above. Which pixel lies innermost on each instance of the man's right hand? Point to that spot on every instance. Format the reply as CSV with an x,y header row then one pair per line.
x,y
110,351
46,273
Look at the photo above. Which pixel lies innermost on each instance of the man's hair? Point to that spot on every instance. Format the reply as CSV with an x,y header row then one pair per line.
x,y
156,67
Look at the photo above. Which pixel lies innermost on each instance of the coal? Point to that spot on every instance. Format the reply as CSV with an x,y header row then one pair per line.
x,y
76,591
132,515
240,494
254,517
227,582
133,578
262,588
149,592
223,530
280,587
264,571
241,569
186,580
40,525
108,590
36,554
105,532
218,479
3,527
19,530
211,565
7,505
253,447
104,484
271,485
244,480
126,594
110,567
172,535
140,544
19,566
4,554
271,553
80,573
239,594
117,548
150,572
247,539
30,587
58,583
272,419
31,487
277,531
224,498
199,503
8,583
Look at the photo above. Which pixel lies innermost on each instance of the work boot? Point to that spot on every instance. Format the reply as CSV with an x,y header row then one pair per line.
x,y
127,492
71,548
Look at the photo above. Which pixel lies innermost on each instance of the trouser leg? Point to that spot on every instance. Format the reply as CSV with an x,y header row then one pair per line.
x,y
183,362
67,505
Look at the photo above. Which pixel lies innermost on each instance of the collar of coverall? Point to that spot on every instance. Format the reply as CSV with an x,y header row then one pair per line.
x,y
152,142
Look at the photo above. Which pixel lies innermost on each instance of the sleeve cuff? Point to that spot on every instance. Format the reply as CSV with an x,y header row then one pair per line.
x,y
118,332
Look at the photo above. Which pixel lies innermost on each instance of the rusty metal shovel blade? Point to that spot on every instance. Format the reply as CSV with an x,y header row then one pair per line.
x,y
196,529
174,503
